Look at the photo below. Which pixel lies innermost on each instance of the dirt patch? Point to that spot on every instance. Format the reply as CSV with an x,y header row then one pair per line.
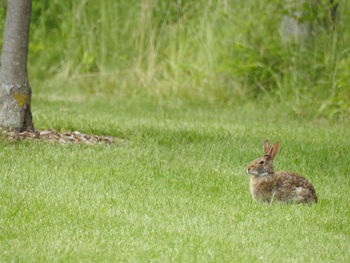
x,y
63,137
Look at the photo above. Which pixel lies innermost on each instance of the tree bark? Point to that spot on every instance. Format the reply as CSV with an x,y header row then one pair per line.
x,y
292,30
297,30
15,91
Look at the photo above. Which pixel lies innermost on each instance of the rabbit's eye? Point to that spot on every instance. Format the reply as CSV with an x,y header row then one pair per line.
x,y
261,162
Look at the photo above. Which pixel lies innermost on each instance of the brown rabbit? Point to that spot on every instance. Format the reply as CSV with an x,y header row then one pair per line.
x,y
268,186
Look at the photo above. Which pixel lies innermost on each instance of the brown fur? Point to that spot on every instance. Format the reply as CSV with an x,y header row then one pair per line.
x,y
269,186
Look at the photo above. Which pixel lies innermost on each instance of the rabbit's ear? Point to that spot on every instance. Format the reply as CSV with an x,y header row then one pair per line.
x,y
266,147
274,150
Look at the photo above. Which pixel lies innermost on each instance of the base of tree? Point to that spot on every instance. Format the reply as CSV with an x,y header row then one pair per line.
x,y
64,137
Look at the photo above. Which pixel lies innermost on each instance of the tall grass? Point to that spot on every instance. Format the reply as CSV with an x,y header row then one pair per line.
x,y
190,50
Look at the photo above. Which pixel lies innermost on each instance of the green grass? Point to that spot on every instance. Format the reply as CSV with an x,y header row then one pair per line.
x,y
226,52
177,192
195,86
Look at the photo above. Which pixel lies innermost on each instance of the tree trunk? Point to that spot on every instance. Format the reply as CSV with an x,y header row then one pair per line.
x,y
15,91
297,26
292,29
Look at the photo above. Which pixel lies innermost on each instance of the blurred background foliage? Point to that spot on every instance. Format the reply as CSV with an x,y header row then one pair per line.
x,y
191,51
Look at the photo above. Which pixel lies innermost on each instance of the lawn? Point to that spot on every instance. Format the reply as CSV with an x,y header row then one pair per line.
x,y
176,192
195,87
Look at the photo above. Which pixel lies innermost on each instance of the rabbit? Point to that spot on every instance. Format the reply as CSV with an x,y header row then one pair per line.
x,y
268,186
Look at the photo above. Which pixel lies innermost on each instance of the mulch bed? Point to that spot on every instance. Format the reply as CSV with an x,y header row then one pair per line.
x,y
63,137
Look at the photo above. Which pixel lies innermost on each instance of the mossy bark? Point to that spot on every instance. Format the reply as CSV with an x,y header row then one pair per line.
x,y
15,91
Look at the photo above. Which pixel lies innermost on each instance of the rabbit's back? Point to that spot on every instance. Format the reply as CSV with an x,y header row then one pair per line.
x,y
292,187
282,187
